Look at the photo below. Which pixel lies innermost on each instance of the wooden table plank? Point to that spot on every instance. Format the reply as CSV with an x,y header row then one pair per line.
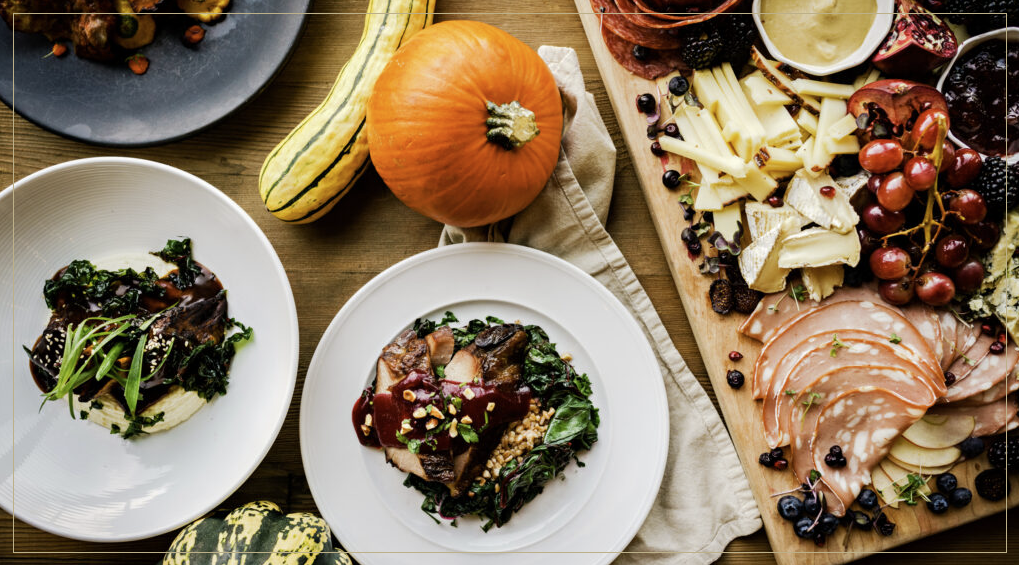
x,y
369,230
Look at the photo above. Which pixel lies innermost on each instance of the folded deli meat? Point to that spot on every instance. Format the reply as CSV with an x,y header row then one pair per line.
x,y
855,372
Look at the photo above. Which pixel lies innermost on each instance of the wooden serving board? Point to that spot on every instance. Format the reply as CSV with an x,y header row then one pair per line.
x,y
716,336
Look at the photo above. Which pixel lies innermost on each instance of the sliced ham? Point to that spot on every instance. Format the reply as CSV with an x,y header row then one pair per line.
x,y
988,372
965,363
966,336
840,317
989,417
926,321
949,328
864,423
996,392
778,310
862,363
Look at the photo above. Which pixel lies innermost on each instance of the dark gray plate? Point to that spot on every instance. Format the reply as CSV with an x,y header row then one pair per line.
x,y
184,90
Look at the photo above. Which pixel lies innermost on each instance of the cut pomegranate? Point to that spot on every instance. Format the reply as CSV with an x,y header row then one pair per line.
x,y
918,43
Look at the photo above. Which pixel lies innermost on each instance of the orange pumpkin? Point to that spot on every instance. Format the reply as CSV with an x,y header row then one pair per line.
x,y
464,123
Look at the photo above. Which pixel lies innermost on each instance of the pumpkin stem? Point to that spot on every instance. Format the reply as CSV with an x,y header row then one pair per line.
x,y
510,125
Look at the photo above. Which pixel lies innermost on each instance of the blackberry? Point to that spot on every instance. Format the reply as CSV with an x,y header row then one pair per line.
x,y
992,484
997,456
701,45
740,33
980,16
996,186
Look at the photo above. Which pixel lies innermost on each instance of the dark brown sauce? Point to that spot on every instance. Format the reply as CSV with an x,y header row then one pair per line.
x,y
390,409
69,310
980,113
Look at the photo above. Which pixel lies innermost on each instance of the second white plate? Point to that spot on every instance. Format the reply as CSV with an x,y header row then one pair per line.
x,y
596,509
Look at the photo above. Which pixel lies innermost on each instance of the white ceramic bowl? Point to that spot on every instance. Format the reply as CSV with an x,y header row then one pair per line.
x,y
73,478
1009,34
878,32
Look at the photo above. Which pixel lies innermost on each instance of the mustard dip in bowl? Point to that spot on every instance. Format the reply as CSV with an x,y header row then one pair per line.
x,y
821,37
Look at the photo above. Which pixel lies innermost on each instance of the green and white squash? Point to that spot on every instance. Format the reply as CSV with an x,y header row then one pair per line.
x,y
319,161
257,533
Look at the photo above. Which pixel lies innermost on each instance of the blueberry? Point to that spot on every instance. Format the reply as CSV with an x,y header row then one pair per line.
x,y
867,499
960,497
777,453
647,104
766,459
971,447
827,524
790,507
678,86
862,519
736,379
671,130
835,460
640,52
937,504
802,528
836,451
671,178
812,505
946,483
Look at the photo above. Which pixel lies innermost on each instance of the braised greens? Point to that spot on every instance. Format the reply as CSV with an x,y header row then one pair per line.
x,y
573,428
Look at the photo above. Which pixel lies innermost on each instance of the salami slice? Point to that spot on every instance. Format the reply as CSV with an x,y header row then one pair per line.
x,y
656,64
673,10
632,12
610,17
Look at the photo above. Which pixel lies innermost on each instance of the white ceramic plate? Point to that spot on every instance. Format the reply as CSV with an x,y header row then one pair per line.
x,y
596,509
73,478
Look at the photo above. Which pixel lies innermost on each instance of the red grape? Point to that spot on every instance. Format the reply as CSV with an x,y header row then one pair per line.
x,y
935,288
925,129
964,168
874,182
882,221
969,205
898,292
984,235
868,242
951,251
894,194
881,155
969,276
947,155
889,263
920,173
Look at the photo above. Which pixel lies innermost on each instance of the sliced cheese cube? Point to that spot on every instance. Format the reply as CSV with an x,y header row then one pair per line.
x,y
844,146
806,155
781,159
835,213
730,164
832,110
707,129
771,72
707,90
711,198
727,220
820,282
758,262
846,125
759,184
810,87
762,218
779,126
807,121
762,92
866,78
818,247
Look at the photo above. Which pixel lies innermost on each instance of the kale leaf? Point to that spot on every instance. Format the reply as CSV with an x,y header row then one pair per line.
x,y
178,252
81,282
136,425
424,326
205,370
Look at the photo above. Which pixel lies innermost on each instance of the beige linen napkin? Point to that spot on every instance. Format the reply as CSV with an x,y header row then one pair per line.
x,y
705,500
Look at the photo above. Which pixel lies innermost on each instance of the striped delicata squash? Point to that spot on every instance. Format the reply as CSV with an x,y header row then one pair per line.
x,y
254,534
315,166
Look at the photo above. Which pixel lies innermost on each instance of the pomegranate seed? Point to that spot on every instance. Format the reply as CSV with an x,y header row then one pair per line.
x,y
987,328
781,465
828,191
997,348
774,201
735,356
949,378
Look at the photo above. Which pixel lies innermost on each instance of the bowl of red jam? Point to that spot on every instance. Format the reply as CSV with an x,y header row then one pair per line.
x,y
984,114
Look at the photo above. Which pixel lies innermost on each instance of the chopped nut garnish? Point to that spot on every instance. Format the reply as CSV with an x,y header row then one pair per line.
x,y
486,474
496,487
490,407
467,420
435,413
419,413
468,393
368,420
567,357
452,429
366,430
409,395
406,427
452,410
431,423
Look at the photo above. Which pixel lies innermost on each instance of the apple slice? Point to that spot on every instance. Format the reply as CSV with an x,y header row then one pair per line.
x,y
926,471
950,432
898,475
935,419
922,457
883,486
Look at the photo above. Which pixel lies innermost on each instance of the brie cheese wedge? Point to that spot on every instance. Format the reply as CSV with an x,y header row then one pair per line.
x,y
759,261
761,217
835,213
820,282
818,247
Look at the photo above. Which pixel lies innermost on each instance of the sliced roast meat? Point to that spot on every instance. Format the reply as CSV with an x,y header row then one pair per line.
x,y
839,317
496,357
989,417
861,362
775,311
987,372
863,423
431,467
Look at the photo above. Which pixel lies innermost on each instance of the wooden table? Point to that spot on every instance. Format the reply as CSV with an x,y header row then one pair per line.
x,y
370,230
